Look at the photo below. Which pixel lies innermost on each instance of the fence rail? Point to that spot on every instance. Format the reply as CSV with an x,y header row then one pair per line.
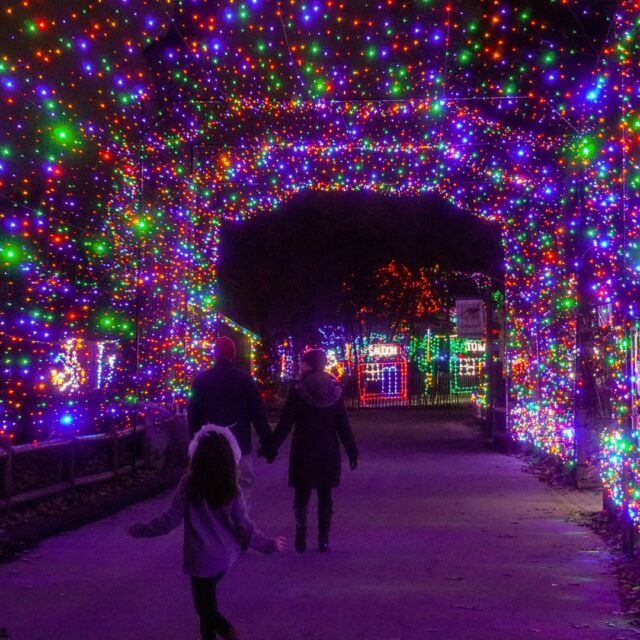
x,y
439,394
414,392
435,401
69,448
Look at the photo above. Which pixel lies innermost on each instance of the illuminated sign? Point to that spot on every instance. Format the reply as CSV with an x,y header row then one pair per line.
x,y
384,351
473,346
384,376
70,375
84,365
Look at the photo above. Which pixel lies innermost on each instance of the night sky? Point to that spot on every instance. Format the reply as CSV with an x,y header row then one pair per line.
x,y
283,271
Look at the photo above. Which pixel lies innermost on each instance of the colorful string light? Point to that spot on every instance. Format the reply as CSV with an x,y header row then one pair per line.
x,y
135,129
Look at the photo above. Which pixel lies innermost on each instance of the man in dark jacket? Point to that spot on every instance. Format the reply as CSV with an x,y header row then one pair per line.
x,y
315,411
228,397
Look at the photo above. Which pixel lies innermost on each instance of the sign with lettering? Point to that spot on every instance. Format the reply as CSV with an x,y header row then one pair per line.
x,y
384,350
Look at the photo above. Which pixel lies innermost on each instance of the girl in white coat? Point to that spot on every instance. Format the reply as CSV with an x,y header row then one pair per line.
x,y
216,526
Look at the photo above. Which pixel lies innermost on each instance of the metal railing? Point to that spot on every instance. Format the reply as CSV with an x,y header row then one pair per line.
x,y
427,401
70,475
417,394
438,395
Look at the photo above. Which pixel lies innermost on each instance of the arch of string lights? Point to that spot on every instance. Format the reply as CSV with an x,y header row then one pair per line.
x,y
134,129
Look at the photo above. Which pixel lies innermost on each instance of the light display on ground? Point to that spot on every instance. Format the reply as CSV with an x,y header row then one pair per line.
x,y
467,364
383,373
339,350
134,129
445,365
450,364
287,361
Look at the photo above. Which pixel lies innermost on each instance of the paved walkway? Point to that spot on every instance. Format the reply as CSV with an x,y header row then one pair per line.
x,y
435,537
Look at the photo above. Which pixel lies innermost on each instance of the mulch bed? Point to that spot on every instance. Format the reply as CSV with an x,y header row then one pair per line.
x,y
24,526
548,469
626,567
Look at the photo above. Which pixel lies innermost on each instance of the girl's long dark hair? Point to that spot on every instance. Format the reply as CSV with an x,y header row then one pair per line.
x,y
213,472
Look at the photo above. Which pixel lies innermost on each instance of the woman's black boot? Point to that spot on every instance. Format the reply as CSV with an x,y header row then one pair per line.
x,y
324,524
301,538
300,511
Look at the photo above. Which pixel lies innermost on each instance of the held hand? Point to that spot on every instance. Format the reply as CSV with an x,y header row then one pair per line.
x,y
353,463
279,543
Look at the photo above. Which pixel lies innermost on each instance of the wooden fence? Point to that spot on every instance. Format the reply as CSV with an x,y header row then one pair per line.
x,y
70,475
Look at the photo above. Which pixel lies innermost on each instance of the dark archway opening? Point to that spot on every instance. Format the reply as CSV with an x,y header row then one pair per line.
x,y
285,273
373,279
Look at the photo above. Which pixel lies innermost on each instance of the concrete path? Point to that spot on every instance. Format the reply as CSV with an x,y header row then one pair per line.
x,y
435,537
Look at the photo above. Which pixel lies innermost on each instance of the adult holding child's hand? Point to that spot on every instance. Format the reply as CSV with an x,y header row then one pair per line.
x,y
315,411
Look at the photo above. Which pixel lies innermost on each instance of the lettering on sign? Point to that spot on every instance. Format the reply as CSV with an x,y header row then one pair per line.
x,y
383,350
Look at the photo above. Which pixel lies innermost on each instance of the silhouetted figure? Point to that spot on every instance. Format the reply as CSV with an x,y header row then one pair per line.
x,y
216,527
316,412
228,397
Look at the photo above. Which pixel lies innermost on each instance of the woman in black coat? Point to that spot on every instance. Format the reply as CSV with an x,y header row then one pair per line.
x,y
316,412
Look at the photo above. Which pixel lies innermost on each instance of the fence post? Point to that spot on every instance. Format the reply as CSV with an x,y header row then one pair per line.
x,y
114,461
7,472
70,462
629,535
146,448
